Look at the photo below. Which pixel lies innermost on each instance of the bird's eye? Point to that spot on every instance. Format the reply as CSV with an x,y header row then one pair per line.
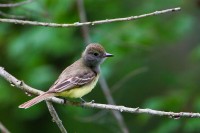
x,y
96,54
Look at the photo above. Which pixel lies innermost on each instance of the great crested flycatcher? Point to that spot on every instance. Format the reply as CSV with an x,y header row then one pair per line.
x,y
78,79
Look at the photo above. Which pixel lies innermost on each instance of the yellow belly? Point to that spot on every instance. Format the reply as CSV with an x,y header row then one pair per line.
x,y
79,92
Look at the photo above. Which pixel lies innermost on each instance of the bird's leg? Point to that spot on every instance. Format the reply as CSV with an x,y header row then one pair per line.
x,y
82,100
65,100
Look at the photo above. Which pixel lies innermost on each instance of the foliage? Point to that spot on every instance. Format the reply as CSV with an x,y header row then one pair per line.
x,y
168,45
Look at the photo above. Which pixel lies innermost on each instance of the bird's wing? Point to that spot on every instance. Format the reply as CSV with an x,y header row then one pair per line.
x,y
73,82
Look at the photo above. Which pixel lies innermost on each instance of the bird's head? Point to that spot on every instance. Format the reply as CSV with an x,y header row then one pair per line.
x,y
94,55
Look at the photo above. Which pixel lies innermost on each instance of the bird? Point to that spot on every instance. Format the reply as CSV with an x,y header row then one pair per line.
x,y
78,79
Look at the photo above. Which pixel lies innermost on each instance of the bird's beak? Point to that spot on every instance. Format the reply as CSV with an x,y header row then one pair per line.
x,y
108,55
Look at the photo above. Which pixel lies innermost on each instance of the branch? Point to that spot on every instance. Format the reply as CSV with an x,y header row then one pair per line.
x,y
55,117
104,86
16,4
141,111
24,87
110,100
20,84
3,129
83,19
130,75
94,117
31,90
35,23
11,16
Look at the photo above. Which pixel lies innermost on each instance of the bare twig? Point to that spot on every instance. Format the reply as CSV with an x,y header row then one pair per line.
x,y
55,117
29,90
11,16
110,100
94,117
127,77
3,129
115,88
35,23
102,81
83,19
19,84
16,4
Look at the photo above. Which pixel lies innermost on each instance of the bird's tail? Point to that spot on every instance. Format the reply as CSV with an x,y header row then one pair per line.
x,y
36,100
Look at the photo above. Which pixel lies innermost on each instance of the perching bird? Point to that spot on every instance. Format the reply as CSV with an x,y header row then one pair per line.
x,y
78,79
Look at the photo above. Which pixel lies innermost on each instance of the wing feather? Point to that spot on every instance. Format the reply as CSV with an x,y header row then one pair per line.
x,y
73,82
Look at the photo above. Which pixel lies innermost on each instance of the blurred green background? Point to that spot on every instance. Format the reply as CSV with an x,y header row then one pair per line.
x,y
156,64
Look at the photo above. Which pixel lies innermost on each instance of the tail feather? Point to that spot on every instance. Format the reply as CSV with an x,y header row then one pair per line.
x,y
36,100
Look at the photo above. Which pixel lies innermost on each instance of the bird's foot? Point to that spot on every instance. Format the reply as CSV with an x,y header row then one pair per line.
x,y
83,101
92,101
